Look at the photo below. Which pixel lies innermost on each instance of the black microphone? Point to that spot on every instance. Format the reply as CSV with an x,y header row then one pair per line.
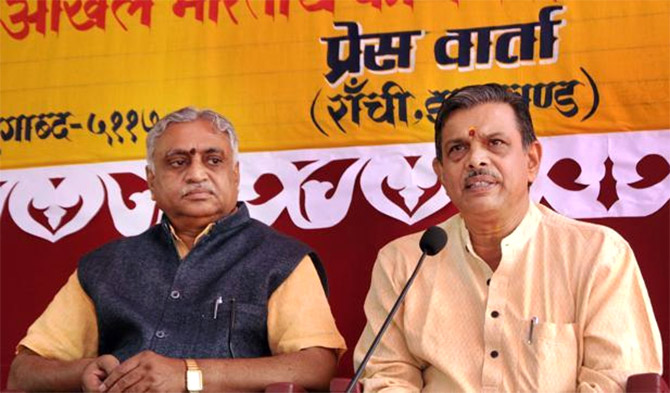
x,y
432,242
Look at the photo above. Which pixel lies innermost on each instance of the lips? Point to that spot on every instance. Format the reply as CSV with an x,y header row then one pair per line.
x,y
197,192
480,182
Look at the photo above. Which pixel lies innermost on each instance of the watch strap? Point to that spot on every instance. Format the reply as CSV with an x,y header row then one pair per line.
x,y
193,376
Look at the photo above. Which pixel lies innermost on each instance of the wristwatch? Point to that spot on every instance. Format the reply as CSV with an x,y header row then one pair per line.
x,y
193,376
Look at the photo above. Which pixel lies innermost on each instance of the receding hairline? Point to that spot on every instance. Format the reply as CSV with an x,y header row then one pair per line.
x,y
207,149
474,95
218,122
517,125
479,105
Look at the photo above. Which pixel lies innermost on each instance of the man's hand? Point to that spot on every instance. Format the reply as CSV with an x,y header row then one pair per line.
x,y
147,372
96,372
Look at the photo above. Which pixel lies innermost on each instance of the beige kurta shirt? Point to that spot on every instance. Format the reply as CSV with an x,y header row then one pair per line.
x,y
465,328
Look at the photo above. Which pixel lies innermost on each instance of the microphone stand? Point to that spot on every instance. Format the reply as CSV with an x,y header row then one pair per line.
x,y
386,324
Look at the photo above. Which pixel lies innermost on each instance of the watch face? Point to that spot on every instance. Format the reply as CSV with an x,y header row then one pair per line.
x,y
193,380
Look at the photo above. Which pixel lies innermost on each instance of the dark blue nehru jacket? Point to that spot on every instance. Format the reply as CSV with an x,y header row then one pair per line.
x,y
213,303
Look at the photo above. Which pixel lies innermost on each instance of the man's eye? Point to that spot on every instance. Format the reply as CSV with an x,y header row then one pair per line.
x,y
497,142
456,152
214,160
177,163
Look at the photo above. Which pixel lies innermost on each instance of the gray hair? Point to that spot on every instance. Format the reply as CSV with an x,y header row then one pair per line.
x,y
186,115
470,96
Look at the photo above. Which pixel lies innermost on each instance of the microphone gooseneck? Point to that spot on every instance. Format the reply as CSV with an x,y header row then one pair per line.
x,y
432,241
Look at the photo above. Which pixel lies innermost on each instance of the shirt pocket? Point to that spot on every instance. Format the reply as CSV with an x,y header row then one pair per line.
x,y
232,329
248,330
549,361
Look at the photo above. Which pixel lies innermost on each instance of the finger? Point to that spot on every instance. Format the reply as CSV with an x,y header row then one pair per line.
x,y
125,383
119,372
108,363
143,385
91,382
92,377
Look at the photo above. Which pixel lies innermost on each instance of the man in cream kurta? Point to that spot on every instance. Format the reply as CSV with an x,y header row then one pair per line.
x,y
521,298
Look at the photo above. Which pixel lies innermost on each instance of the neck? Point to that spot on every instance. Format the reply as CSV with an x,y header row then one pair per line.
x,y
188,228
488,230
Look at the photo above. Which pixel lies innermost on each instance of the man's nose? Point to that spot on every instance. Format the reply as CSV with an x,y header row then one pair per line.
x,y
196,172
478,156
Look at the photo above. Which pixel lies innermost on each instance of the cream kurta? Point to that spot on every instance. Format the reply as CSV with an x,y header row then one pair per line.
x,y
455,332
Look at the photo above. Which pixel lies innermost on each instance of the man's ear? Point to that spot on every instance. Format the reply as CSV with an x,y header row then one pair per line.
x,y
534,156
151,178
437,168
236,174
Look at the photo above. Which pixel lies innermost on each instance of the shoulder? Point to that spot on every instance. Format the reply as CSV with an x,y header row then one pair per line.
x,y
575,228
407,246
281,252
267,233
399,257
404,248
115,246
580,237
114,251
261,238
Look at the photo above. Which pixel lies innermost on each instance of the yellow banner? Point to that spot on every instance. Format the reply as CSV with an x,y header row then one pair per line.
x,y
83,80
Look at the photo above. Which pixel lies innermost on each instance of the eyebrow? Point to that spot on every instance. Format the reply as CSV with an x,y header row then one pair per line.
x,y
176,152
183,152
454,141
496,134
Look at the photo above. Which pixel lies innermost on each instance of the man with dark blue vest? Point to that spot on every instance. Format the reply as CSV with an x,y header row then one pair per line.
x,y
208,300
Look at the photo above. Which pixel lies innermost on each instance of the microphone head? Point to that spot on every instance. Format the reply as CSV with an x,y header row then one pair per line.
x,y
433,240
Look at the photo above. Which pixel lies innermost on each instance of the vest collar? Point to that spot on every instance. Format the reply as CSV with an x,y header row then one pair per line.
x,y
224,224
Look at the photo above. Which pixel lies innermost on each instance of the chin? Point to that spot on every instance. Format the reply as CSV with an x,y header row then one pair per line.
x,y
201,212
480,206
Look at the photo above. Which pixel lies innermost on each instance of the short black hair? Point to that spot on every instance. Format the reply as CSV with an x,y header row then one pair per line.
x,y
470,96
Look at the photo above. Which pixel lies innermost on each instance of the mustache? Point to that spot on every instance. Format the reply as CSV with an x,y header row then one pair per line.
x,y
482,172
196,187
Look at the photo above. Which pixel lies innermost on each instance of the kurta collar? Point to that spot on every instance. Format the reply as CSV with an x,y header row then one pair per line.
x,y
513,242
239,217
